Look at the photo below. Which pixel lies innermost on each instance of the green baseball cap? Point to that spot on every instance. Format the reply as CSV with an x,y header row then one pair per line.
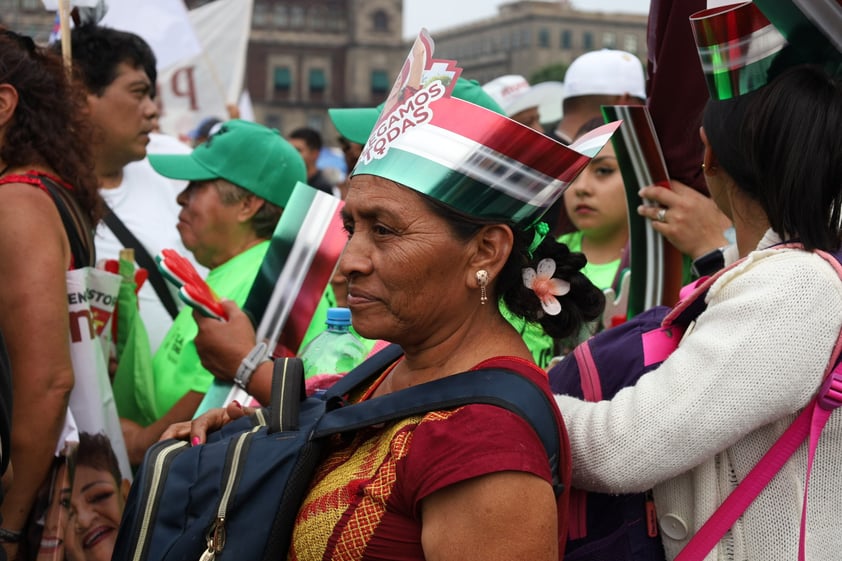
x,y
356,123
247,154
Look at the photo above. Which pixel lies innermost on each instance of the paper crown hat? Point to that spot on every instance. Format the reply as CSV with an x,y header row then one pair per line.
x,y
812,27
741,50
466,156
356,123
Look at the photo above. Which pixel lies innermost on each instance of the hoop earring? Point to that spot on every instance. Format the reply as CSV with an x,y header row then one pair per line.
x,y
482,281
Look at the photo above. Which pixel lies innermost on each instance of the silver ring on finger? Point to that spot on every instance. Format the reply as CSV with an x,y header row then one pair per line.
x,y
662,215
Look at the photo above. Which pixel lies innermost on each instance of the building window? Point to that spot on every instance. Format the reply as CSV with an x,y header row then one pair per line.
x,y
282,79
318,18
609,40
379,82
280,17
630,43
274,121
380,21
544,38
260,16
525,37
587,41
296,17
317,81
315,122
566,39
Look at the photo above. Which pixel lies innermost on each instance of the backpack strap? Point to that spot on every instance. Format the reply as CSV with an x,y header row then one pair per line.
x,y
809,423
77,225
128,239
492,386
502,388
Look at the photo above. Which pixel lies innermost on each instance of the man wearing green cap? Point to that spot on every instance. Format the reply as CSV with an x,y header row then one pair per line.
x,y
240,180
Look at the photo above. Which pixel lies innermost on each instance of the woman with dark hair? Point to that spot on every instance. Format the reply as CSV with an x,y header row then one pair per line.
x,y
439,233
756,357
49,204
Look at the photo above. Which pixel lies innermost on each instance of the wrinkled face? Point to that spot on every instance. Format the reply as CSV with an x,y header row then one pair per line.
x,y
207,224
124,116
407,273
596,201
96,506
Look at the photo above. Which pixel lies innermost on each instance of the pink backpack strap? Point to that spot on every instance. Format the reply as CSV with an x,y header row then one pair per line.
x,y
588,373
577,526
809,423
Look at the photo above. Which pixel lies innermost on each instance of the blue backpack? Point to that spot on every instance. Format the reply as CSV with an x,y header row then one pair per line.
x,y
237,496
624,527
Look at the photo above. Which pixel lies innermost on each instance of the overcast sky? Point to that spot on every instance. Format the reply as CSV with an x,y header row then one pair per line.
x,y
442,14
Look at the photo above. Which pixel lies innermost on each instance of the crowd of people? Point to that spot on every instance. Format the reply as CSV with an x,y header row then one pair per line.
x,y
476,239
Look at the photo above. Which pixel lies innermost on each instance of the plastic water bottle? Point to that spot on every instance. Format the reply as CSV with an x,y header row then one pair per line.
x,y
336,350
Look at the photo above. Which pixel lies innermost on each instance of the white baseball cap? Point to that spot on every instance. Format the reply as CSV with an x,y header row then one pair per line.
x,y
514,94
605,72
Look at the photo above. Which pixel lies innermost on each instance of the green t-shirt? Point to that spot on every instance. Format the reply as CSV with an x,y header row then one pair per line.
x,y
602,275
176,366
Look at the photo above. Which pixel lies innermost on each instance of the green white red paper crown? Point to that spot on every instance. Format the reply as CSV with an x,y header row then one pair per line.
x,y
741,50
737,46
468,157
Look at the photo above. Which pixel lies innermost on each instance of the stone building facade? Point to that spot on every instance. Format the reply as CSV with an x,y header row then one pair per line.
x,y
527,36
306,56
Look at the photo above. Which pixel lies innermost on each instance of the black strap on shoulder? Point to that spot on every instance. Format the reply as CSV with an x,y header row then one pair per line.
x,y
77,227
143,259
287,389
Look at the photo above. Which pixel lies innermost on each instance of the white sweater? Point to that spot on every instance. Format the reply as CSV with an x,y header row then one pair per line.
x,y
693,428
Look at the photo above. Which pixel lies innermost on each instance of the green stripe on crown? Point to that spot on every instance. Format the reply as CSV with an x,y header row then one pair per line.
x,y
451,187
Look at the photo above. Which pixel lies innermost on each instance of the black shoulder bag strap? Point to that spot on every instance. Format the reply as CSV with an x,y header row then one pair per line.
x,y
76,225
143,259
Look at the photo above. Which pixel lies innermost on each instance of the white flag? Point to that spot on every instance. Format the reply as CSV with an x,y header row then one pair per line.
x,y
203,85
164,24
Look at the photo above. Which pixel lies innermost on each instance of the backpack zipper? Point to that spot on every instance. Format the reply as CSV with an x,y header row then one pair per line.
x,y
234,466
162,456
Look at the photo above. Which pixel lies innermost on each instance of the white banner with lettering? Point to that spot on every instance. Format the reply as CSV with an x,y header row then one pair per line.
x,y
91,298
203,85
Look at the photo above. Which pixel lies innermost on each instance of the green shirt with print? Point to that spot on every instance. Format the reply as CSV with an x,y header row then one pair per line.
x,y
176,366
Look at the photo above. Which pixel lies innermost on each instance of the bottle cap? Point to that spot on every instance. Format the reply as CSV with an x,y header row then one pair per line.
x,y
338,316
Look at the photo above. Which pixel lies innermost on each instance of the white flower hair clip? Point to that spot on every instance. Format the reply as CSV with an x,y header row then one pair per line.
x,y
545,287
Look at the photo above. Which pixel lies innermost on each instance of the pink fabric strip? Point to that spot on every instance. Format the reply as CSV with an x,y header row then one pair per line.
x,y
733,507
588,373
659,343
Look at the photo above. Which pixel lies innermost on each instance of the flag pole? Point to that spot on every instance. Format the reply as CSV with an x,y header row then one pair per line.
x,y
64,22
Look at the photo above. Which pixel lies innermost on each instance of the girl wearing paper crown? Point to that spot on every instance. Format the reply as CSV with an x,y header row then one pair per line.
x,y
760,359
443,218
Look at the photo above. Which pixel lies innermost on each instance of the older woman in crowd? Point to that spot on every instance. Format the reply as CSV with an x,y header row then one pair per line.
x,y
443,222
